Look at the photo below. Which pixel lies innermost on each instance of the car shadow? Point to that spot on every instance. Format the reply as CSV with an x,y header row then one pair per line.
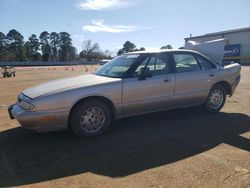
x,y
132,145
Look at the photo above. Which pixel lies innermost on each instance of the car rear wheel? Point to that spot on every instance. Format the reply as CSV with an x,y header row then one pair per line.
x,y
216,99
90,118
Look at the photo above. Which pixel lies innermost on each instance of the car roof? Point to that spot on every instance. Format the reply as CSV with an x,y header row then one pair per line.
x,y
169,50
160,51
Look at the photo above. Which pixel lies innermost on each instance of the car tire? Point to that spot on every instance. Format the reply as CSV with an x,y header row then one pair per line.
x,y
216,99
90,118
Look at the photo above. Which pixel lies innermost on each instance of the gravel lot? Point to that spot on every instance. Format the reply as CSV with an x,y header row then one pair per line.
x,y
177,148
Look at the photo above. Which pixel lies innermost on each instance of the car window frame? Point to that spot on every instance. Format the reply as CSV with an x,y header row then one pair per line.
x,y
204,57
167,56
184,53
139,60
150,55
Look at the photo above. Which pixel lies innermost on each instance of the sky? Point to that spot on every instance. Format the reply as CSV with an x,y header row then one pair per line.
x,y
148,23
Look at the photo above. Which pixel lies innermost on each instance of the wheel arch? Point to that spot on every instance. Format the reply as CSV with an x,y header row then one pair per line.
x,y
226,86
105,100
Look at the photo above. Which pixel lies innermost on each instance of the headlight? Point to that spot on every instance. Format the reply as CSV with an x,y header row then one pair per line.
x,y
25,105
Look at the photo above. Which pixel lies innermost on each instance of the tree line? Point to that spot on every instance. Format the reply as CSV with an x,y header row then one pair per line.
x,y
47,47
54,47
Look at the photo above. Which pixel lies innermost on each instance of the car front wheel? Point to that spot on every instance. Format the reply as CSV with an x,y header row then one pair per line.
x,y
90,118
216,99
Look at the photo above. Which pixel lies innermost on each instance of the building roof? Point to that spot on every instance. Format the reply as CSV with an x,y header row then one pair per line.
x,y
221,32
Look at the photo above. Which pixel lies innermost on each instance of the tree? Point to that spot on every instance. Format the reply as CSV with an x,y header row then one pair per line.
x,y
45,46
72,53
120,52
64,45
33,47
3,46
168,46
15,42
107,54
141,49
90,50
127,47
54,44
27,50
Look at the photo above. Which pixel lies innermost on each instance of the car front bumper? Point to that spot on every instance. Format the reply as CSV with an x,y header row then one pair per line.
x,y
40,121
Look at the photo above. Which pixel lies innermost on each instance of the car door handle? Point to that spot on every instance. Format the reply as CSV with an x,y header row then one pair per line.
x,y
211,75
166,80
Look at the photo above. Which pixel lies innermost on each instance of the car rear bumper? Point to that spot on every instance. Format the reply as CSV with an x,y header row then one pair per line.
x,y
40,121
234,85
9,111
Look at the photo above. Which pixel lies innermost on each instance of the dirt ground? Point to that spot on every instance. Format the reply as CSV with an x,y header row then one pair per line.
x,y
177,148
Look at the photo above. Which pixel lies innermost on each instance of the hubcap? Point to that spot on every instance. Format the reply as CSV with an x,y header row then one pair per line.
x,y
216,99
93,119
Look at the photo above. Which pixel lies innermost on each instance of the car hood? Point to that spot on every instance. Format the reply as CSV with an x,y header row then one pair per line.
x,y
67,84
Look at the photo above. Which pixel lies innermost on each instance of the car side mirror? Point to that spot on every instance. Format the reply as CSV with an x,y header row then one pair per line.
x,y
145,74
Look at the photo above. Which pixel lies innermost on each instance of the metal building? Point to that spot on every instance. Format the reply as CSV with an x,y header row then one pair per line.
x,y
224,46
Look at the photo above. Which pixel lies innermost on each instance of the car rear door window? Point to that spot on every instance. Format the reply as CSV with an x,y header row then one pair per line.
x,y
206,65
185,63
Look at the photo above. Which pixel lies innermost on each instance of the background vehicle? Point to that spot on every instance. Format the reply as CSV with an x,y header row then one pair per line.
x,y
130,84
8,71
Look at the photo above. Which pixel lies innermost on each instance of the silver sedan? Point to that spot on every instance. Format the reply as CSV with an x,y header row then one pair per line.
x,y
130,84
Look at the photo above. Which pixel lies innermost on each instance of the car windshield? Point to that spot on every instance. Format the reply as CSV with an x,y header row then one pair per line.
x,y
117,66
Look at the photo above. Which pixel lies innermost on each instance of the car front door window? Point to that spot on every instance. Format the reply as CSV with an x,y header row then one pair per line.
x,y
156,65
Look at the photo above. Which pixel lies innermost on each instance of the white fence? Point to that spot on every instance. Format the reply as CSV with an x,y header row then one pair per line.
x,y
50,63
